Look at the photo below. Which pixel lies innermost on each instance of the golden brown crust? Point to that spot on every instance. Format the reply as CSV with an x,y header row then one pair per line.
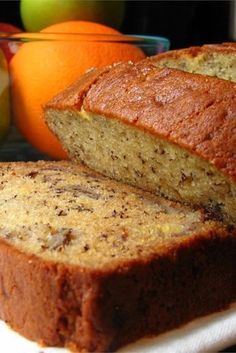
x,y
42,300
75,93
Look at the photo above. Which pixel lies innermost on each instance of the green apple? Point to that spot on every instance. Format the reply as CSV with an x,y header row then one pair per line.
x,y
38,14
4,97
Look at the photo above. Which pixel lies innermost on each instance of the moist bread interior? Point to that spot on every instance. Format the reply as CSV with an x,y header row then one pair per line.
x,y
128,154
67,213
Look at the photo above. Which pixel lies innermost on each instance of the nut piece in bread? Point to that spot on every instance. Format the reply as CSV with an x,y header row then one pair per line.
x,y
89,263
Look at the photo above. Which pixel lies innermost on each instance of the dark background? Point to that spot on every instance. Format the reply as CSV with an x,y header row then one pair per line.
x,y
184,22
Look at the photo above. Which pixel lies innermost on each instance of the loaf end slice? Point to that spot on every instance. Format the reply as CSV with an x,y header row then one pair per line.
x,y
164,130
89,263
215,60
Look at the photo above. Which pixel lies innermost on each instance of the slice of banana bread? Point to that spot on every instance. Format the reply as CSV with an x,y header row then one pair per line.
x,y
89,263
214,60
167,131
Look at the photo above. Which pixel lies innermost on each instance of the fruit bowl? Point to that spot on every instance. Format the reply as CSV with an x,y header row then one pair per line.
x,y
42,65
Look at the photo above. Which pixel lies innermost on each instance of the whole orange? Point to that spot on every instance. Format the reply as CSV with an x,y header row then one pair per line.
x,y
41,69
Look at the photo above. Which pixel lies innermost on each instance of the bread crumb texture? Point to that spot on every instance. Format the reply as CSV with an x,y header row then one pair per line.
x,y
67,213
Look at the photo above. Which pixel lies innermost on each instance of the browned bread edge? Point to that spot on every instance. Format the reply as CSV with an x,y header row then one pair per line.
x,y
98,311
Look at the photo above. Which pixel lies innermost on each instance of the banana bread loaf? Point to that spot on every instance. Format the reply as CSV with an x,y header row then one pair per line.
x,y
89,263
167,131
214,60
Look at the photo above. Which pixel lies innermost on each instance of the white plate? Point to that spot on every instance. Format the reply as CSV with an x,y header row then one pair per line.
x,y
209,334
